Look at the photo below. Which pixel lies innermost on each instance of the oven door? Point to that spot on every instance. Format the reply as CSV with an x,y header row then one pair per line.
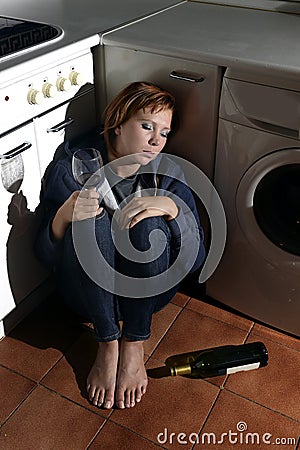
x,y
67,122
20,271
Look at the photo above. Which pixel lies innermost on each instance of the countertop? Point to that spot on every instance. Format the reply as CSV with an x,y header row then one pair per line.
x,y
79,19
228,33
248,41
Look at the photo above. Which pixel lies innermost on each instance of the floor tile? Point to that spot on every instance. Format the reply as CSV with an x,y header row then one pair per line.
x,y
14,389
36,344
114,437
180,299
219,314
276,386
47,421
277,336
237,416
69,376
192,331
161,322
175,403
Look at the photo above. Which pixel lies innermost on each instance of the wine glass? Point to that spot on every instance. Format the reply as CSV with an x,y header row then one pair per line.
x,y
86,165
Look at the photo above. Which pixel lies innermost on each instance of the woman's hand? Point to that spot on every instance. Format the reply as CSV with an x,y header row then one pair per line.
x,y
80,205
140,208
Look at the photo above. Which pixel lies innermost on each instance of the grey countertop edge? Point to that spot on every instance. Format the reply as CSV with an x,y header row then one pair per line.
x,y
212,58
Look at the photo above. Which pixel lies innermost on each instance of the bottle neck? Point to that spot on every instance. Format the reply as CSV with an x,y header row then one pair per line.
x,y
181,370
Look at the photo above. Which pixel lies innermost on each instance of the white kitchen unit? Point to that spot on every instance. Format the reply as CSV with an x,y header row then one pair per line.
x,y
45,103
19,196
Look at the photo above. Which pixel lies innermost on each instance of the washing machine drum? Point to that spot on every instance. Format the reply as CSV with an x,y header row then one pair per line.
x,y
268,205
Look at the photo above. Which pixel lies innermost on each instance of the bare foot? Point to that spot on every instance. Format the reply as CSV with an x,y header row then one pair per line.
x,y
102,377
132,377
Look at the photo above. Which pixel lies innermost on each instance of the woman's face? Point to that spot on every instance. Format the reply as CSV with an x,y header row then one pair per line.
x,y
143,136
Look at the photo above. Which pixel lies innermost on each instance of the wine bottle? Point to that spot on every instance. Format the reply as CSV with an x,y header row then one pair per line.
x,y
222,360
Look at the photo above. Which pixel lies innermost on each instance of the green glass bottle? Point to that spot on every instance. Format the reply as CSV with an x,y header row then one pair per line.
x,y
218,361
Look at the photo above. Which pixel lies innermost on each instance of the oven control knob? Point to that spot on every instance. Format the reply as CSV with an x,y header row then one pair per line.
x,y
63,84
35,97
49,90
76,78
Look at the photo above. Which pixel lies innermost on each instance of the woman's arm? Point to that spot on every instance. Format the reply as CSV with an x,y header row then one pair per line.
x,y
140,208
80,205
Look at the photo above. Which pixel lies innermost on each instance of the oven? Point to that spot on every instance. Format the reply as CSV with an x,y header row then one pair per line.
x,y
44,101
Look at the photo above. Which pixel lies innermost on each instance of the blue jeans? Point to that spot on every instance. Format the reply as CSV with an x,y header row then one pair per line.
x,y
103,308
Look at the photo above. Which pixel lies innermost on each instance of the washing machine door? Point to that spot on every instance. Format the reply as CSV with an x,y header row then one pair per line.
x,y
268,207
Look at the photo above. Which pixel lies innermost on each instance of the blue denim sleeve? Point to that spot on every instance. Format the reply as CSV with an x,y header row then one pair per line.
x,y
58,187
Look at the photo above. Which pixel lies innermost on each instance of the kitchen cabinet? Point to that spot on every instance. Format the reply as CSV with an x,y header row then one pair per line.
x,y
20,272
196,87
25,155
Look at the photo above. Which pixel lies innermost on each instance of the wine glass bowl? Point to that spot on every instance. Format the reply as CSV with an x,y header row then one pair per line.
x,y
86,165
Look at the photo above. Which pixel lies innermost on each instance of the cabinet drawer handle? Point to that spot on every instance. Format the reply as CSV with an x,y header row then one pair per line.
x,y
187,77
16,151
60,126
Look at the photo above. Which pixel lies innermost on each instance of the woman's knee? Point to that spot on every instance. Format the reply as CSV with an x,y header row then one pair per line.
x,y
141,234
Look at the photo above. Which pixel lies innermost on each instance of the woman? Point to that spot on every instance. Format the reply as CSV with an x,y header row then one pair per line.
x,y
137,123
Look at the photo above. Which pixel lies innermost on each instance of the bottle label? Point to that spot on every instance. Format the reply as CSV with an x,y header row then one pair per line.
x,y
244,367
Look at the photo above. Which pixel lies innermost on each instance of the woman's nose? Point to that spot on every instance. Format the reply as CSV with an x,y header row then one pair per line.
x,y
154,140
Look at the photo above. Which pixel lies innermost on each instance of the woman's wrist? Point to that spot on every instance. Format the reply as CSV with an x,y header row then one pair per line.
x,y
59,225
173,211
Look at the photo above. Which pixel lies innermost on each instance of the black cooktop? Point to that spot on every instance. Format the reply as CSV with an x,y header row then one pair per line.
x,y
17,35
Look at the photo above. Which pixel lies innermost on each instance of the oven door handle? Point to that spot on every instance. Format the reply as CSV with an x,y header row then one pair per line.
x,y
60,126
186,76
16,151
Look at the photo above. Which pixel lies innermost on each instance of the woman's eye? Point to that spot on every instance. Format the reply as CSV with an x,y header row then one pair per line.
x,y
164,134
147,126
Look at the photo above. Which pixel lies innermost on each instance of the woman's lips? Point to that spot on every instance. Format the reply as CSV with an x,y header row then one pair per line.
x,y
149,153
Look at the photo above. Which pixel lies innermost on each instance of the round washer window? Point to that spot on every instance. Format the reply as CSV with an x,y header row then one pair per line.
x,y
276,206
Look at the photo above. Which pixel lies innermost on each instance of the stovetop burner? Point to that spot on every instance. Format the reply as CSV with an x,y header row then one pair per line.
x,y
17,35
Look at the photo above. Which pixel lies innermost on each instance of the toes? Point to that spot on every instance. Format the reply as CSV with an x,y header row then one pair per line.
x,y
138,394
120,404
108,399
128,398
120,398
98,397
107,404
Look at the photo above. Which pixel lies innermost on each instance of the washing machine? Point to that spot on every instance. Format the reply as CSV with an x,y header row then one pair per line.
x,y
257,175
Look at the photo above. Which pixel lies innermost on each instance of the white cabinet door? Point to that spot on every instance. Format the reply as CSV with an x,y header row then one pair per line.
x,y
20,272
65,123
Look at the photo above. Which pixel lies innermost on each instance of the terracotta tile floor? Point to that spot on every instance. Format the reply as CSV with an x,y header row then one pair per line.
x,y
45,360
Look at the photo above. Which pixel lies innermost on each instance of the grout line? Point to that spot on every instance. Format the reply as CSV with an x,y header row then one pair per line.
x,y
276,341
12,413
18,373
249,332
222,320
263,406
74,402
208,414
181,308
137,434
96,434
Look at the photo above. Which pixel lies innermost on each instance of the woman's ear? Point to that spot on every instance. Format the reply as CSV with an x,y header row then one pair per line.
x,y
118,130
